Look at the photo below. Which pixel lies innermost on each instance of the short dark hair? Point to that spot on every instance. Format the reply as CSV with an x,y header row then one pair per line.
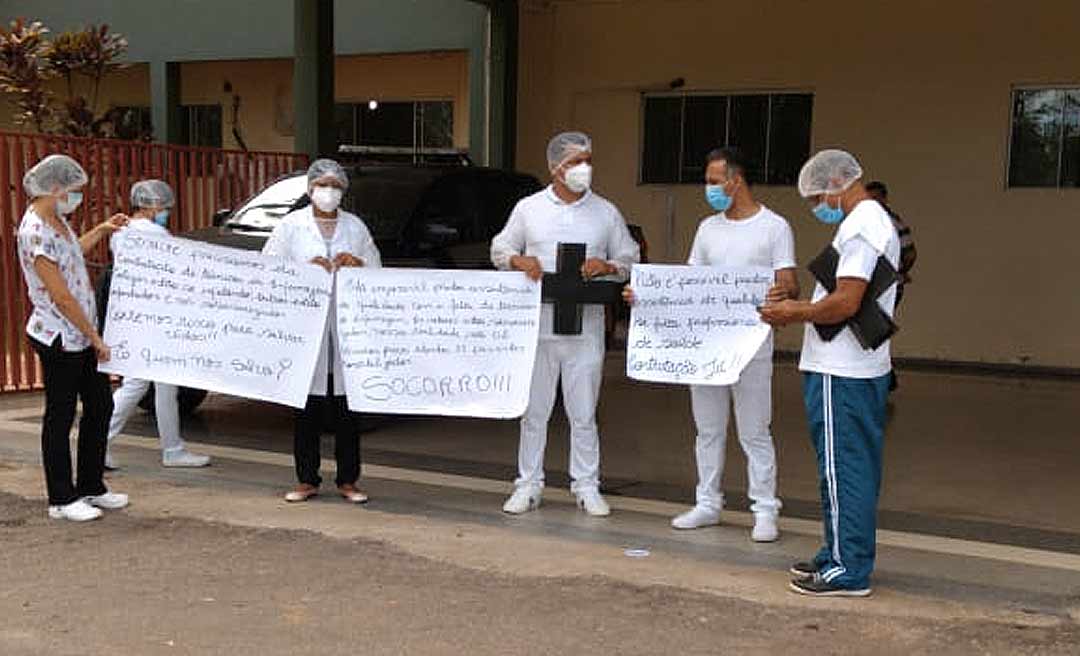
x,y
730,156
879,187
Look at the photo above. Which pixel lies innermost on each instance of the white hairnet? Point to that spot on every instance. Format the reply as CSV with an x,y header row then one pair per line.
x,y
324,168
54,174
828,172
566,145
151,193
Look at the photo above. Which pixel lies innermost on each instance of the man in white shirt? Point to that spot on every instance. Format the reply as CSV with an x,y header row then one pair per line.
x,y
151,201
324,234
743,233
845,384
565,212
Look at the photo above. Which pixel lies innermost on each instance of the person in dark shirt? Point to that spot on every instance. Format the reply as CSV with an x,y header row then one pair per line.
x,y
879,192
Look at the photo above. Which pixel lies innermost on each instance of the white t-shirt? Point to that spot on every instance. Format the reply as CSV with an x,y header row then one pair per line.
x,y
866,234
541,221
762,240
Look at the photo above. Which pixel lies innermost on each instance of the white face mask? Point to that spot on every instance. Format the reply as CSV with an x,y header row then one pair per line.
x,y
327,199
578,178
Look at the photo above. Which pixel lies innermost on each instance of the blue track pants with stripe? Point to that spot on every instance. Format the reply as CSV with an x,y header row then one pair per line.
x,y
847,425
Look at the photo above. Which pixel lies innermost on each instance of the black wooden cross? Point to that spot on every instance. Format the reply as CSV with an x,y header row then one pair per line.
x,y
870,325
568,291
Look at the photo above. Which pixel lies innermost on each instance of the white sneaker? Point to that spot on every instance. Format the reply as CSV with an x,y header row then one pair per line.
x,y
765,529
696,517
76,511
110,464
592,503
524,499
108,501
183,458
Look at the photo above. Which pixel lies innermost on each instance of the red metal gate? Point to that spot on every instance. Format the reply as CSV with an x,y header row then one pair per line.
x,y
204,180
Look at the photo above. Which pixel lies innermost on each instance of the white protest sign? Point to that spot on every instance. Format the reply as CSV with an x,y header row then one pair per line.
x,y
215,318
695,325
421,341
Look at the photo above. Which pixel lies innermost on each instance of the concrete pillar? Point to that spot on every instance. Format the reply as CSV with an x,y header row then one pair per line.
x,y
165,101
313,78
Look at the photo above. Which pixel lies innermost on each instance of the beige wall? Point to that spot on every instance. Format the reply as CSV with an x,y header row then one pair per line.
x,y
919,90
265,90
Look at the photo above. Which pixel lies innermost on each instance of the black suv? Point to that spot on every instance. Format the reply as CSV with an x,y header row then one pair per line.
x,y
428,216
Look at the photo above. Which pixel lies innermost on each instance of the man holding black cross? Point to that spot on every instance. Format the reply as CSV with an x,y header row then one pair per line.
x,y
845,364
569,236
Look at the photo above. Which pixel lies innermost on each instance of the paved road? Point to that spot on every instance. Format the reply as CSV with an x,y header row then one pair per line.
x,y
211,561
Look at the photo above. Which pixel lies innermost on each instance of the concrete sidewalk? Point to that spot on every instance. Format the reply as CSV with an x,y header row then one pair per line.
x,y
967,457
456,518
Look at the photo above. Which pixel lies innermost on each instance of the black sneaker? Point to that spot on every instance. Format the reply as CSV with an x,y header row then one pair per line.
x,y
815,586
803,569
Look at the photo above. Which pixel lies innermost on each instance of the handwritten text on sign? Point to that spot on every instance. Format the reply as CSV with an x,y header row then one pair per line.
x,y
695,325
417,341
215,318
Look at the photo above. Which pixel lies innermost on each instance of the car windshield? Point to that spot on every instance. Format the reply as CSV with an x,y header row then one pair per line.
x,y
265,210
384,198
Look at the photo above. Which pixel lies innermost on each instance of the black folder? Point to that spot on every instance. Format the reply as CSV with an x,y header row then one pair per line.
x,y
871,325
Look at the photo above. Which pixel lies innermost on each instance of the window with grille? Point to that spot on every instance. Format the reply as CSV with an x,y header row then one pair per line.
x,y
772,130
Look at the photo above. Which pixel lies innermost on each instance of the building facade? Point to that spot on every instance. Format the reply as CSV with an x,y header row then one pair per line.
x,y
428,58
969,110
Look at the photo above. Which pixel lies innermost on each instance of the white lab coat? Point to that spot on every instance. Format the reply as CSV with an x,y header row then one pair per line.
x,y
536,226
298,238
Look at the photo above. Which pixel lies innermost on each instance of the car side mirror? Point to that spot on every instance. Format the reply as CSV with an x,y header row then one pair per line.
x,y
220,216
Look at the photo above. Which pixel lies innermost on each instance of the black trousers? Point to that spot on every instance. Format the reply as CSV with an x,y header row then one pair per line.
x,y
70,377
320,412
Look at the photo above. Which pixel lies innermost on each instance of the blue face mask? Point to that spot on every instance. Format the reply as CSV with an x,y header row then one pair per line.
x,y
162,218
717,198
66,207
826,214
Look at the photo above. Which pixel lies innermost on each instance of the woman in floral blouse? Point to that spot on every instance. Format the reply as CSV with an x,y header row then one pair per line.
x,y
62,329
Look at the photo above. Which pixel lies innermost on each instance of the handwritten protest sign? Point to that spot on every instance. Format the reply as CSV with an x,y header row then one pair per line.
x,y
418,341
215,318
695,325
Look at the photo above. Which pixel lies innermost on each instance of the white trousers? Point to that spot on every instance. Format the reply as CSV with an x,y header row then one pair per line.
x,y
580,364
126,399
711,405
